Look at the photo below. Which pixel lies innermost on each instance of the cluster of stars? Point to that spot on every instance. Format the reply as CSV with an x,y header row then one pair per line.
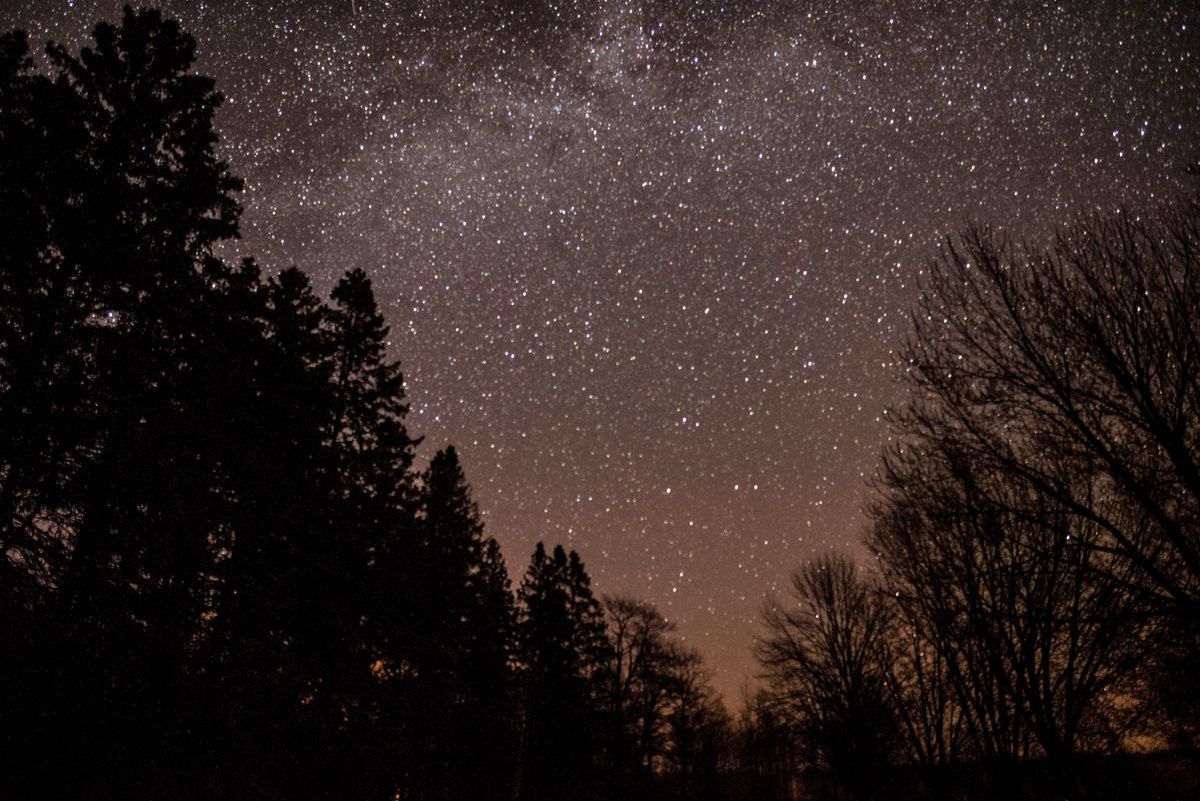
x,y
647,262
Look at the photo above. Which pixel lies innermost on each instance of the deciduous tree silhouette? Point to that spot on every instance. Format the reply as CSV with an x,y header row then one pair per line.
x,y
1067,370
1086,346
1040,633
763,752
919,683
697,726
822,659
635,686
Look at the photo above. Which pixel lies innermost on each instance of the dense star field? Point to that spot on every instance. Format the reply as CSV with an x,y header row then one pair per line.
x,y
647,262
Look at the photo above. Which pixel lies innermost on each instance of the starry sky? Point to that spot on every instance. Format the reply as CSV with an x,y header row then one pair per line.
x,y
647,262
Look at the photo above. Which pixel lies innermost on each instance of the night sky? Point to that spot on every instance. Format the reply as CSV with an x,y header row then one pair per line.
x,y
646,262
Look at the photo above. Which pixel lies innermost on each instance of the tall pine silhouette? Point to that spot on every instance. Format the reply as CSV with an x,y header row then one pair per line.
x,y
452,638
562,645
114,324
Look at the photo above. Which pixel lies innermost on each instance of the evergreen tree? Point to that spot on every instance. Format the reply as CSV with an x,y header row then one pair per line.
x,y
469,582
453,634
562,645
46,421
115,329
155,202
353,575
287,502
260,646
219,573
367,429
296,317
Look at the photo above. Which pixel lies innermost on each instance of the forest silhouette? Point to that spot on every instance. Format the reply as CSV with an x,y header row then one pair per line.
x,y
223,575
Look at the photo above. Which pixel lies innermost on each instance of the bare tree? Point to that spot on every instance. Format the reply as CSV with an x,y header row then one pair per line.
x,y
696,722
763,752
1033,629
635,686
1087,347
662,717
822,658
927,708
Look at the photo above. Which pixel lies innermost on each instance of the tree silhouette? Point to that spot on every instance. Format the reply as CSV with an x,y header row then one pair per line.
x,y
635,685
1067,370
923,695
1040,633
260,645
367,429
822,658
1086,346
155,202
697,726
452,638
46,423
763,750
116,318
560,629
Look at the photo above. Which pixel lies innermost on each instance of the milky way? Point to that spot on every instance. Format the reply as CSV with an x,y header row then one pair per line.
x,y
646,262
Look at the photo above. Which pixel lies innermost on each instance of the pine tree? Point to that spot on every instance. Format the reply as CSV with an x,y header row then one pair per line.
x,y
282,481
464,613
154,203
46,421
200,473
367,429
115,329
466,577
366,525
562,646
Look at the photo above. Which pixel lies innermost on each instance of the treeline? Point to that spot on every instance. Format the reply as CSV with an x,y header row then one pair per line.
x,y
222,575
1033,609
